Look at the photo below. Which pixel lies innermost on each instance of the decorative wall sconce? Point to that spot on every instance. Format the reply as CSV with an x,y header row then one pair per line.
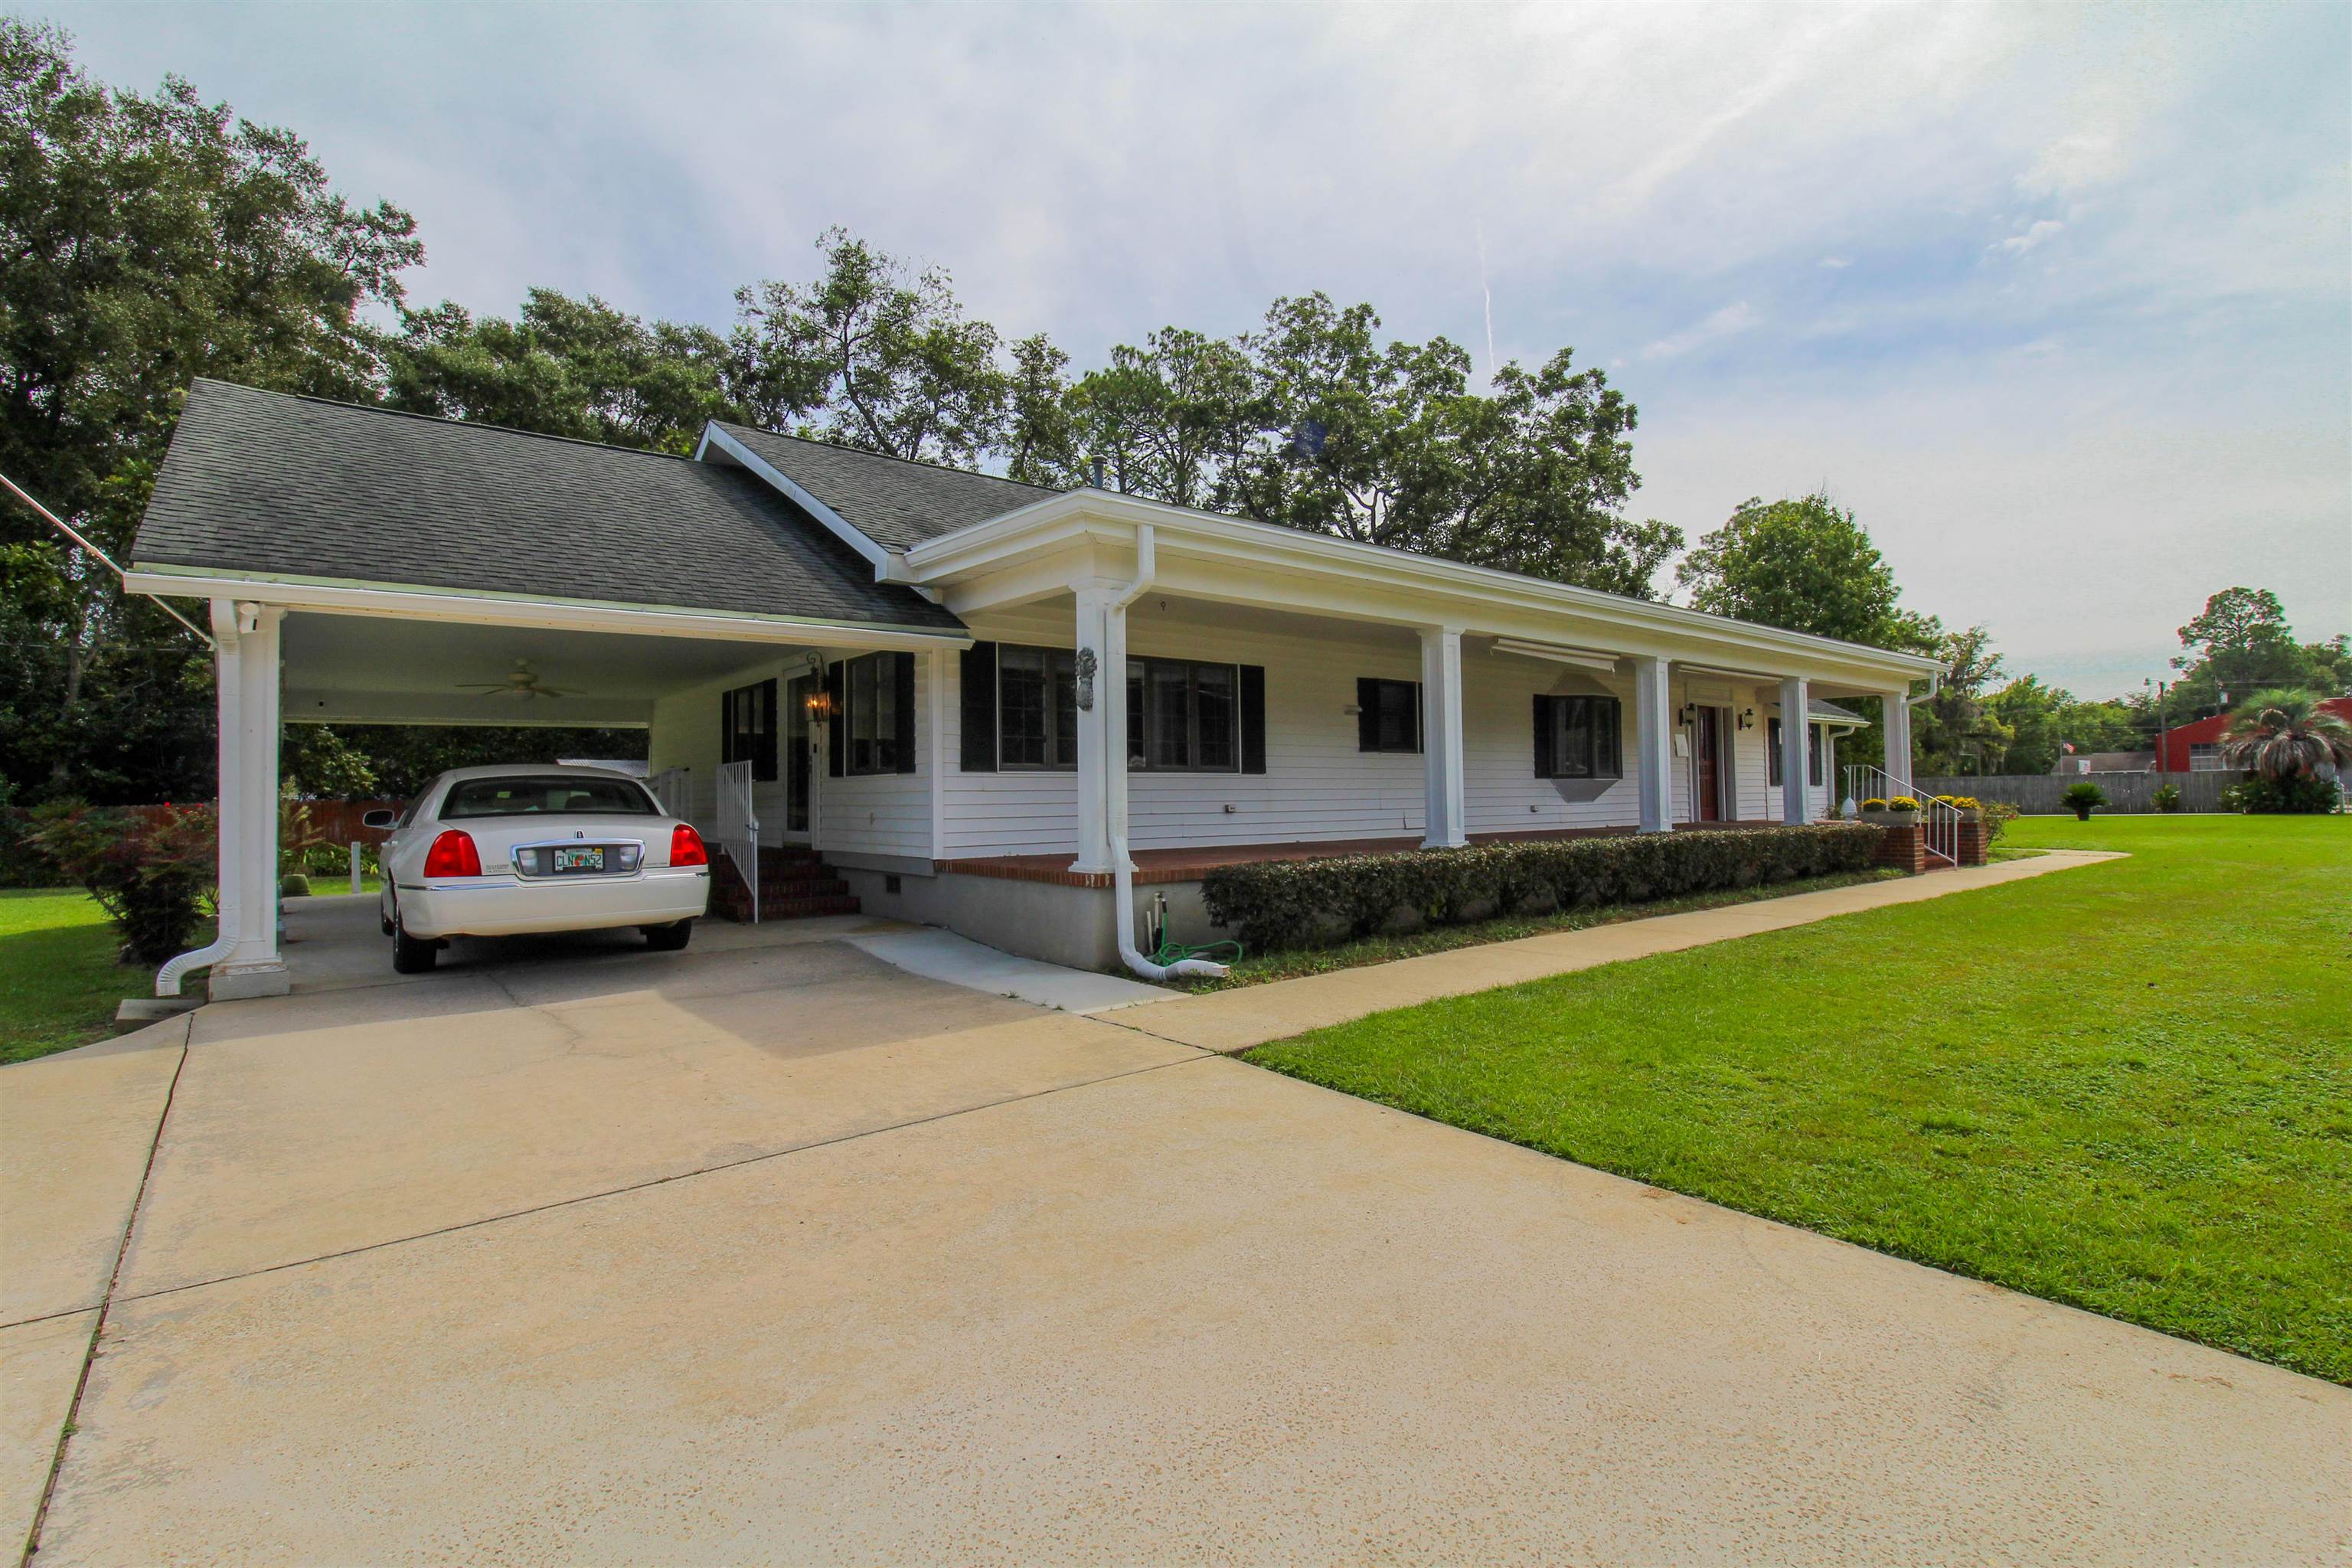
x,y
820,707
1747,717
1086,668
1686,715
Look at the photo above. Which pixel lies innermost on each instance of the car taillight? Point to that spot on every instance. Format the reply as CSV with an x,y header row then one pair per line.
x,y
685,848
453,854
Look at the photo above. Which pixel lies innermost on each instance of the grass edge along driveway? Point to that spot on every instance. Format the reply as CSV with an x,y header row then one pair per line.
x,y
2126,1087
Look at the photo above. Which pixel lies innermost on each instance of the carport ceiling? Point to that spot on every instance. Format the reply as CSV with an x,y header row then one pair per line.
x,y
363,670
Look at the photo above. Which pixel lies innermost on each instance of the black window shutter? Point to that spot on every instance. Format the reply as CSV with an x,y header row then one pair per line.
x,y
1772,754
764,756
1544,768
837,732
902,679
1609,728
1419,718
726,728
979,708
1367,714
1252,718
1813,754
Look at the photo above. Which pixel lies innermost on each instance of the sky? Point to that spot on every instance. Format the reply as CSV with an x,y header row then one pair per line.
x,y
2057,298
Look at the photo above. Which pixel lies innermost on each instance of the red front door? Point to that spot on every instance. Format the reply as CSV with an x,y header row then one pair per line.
x,y
1705,784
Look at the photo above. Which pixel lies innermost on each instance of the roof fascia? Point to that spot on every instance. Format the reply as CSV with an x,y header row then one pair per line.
x,y
345,596
994,541
775,478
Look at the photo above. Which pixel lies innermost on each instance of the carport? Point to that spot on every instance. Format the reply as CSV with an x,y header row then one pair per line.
x,y
370,567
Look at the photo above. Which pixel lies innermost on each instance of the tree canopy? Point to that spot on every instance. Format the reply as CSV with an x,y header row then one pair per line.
x,y
1807,565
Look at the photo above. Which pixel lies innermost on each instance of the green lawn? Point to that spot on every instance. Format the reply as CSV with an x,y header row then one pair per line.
x,y
58,980
2126,1087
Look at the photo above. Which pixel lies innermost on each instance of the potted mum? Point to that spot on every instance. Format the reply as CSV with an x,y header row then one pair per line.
x,y
1970,808
1902,811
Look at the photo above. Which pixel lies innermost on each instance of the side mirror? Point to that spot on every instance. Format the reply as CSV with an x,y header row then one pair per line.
x,y
379,818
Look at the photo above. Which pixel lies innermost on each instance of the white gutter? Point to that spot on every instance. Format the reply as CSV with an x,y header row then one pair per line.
x,y
1114,721
227,902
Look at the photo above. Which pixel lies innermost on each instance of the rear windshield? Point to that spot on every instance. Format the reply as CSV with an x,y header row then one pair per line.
x,y
546,797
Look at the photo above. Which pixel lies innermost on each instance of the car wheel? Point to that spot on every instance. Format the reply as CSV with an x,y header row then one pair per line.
x,y
670,938
411,955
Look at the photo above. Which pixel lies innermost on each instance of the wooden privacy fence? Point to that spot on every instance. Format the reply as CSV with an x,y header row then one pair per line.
x,y
2038,794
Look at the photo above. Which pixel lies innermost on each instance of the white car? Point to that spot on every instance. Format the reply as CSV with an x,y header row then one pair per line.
x,y
502,851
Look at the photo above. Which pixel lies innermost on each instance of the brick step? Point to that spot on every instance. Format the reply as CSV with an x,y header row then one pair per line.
x,y
826,887
797,909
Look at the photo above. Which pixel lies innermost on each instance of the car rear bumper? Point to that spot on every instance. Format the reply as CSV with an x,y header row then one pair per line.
x,y
512,906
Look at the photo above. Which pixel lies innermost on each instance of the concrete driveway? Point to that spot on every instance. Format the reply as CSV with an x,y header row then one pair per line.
x,y
770,1252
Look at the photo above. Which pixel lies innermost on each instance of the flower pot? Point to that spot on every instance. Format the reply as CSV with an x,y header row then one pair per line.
x,y
2082,813
1902,819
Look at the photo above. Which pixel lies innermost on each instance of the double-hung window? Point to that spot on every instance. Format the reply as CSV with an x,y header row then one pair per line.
x,y
1388,715
1183,717
1578,738
872,699
1036,708
1772,754
747,728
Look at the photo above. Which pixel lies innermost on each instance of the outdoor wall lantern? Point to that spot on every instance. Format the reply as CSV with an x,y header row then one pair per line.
x,y
1686,715
1087,664
1747,717
820,707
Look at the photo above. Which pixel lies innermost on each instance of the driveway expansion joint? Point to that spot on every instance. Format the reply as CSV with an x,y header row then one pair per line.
x,y
725,1165
106,1302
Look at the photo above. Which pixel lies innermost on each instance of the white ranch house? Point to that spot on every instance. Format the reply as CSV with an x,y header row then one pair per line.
x,y
1006,710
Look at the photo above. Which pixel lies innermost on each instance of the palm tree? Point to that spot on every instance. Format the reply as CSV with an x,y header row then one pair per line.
x,y
2286,734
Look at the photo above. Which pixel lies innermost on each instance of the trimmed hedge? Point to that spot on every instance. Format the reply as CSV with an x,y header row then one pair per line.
x,y
1275,904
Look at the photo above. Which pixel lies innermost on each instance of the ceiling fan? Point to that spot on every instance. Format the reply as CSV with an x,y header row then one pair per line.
x,y
521,682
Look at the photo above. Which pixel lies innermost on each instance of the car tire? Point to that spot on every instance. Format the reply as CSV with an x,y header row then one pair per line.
x,y
411,954
670,938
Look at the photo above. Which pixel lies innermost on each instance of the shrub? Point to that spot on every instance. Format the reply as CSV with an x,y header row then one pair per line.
x,y
2265,797
151,870
294,885
2167,797
1274,904
1997,816
2080,798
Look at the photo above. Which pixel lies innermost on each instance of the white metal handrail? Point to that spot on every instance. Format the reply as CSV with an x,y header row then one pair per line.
x,y
738,827
1940,821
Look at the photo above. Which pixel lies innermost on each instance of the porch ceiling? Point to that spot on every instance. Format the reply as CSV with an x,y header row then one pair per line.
x,y
378,669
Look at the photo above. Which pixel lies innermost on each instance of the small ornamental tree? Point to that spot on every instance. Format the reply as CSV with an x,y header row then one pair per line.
x,y
2082,798
152,871
2292,749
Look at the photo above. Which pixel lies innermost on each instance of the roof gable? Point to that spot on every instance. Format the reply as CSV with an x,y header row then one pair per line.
x,y
895,502
266,483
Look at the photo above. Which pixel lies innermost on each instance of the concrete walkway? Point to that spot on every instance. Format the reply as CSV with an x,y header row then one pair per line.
x,y
783,1254
959,961
1251,1016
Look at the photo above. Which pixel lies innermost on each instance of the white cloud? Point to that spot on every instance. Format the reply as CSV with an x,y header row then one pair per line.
x,y
1836,263
1729,321
2041,231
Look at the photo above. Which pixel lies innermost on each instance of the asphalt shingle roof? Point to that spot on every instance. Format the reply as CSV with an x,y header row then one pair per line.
x,y
267,482
1817,708
896,503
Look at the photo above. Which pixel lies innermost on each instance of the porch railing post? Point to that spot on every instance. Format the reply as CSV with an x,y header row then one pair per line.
x,y
1445,821
1796,731
1654,744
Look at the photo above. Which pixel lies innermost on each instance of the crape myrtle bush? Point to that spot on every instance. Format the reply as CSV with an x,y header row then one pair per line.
x,y
1274,904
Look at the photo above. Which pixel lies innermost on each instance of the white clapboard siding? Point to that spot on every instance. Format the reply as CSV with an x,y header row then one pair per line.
x,y
685,734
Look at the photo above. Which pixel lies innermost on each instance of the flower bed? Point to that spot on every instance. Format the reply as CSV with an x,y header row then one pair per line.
x,y
1277,904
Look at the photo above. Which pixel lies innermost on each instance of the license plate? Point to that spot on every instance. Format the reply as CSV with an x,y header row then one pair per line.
x,y
589,857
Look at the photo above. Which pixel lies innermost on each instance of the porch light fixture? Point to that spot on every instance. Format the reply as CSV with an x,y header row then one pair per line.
x,y
820,707
1687,715
1747,717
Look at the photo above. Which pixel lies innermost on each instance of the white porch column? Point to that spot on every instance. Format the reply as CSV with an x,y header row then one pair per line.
x,y
248,799
1796,730
1444,820
1897,726
1095,739
1654,744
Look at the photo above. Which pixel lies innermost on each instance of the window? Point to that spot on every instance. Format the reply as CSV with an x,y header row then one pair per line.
x,y
1388,715
747,728
546,796
872,720
1577,738
1037,708
1183,717
1772,754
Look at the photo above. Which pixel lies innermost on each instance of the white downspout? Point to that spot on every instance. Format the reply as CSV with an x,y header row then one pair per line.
x,y
229,704
1114,718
